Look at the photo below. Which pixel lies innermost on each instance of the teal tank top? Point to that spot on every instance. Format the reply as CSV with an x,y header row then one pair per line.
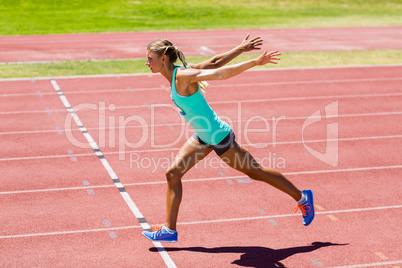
x,y
197,113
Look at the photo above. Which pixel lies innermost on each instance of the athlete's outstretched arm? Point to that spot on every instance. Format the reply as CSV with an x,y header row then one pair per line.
x,y
224,58
188,76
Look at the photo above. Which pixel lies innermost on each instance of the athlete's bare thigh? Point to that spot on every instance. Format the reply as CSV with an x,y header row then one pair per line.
x,y
189,155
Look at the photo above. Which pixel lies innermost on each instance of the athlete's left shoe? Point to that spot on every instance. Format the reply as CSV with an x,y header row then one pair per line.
x,y
307,208
161,234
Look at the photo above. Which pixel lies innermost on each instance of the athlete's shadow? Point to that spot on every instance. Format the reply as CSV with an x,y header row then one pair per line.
x,y
258,257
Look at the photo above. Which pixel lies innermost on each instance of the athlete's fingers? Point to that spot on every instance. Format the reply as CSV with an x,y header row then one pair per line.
x,y
259,43
256,39
275,52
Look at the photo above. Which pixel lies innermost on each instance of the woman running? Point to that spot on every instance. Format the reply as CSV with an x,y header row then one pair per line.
x,y
211,133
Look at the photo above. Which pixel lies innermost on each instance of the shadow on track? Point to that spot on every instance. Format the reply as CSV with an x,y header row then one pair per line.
x,y
258,257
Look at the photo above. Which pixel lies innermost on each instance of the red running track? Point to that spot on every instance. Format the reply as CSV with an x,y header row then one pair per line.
x,y
61,47
60,206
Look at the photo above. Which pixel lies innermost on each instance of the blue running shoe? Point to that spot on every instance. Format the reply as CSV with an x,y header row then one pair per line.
x,y
307,208
161,234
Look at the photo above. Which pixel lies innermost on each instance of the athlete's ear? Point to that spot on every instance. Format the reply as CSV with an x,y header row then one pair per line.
x,y
164,58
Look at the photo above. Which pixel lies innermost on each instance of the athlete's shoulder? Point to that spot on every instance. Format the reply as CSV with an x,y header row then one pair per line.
x,y
189,72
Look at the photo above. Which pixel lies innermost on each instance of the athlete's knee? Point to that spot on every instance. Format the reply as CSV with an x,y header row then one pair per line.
x,y
248,165
173,175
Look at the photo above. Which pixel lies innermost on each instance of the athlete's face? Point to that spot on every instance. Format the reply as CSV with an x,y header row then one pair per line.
x,y
154,62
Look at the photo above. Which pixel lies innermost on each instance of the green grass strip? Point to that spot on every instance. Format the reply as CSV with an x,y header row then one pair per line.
x,y
288,60
19,17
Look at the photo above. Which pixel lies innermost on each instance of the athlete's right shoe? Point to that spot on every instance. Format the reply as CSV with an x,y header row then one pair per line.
x,y
161,234
307,208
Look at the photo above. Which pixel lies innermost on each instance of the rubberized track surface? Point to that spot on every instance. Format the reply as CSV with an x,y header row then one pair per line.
x,y
98,46
61,205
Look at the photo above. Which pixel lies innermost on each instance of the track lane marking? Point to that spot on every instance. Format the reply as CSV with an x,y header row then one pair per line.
x,y
204,222
332,217
200,180
215,86
58,129
387,66
133,207
381,255
379,95
291,215
368,264
72,232
80,188
176,149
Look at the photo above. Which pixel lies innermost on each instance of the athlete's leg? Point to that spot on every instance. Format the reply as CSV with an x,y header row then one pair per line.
x,y
240,159
190,154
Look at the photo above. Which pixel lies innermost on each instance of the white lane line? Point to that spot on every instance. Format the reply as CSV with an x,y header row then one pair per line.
x,y
344,170
203,222
206,51
289,215
117,90
133,207
312,98
280,69
44,157
183,124
376,264
203,179
326,140
58,189
71,232
378,95
176,149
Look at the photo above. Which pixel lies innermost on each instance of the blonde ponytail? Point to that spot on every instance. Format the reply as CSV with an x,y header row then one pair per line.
x,y
181,57
203,86
165,47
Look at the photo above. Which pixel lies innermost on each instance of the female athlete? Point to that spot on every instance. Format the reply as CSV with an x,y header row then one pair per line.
x,y
211,133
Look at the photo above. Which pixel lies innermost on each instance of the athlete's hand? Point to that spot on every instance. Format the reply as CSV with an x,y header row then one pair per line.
x,y
253,44
270,57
